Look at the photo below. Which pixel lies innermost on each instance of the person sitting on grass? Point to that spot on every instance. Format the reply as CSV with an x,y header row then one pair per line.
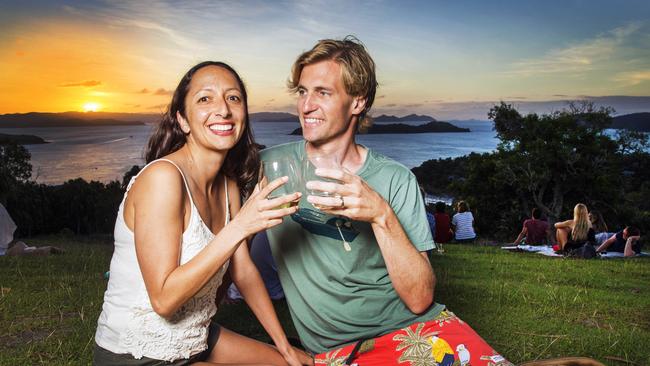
x,y
534,230
625,241
573,234
353,264
181,226
598,223
443,224
462,224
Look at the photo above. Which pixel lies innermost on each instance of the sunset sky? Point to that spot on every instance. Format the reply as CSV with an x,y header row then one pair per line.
x,y
442,58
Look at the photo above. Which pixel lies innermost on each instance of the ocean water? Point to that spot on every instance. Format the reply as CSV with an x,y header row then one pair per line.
x,y
105,153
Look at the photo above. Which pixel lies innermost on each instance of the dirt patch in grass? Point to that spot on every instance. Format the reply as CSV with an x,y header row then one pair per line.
x,y
28,336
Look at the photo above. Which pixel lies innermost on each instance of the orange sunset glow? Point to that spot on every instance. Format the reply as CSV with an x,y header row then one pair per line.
x,y
61,66
129,56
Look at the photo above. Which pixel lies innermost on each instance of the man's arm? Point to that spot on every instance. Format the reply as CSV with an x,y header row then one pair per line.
x,y
606,244
629,252
523,233
409,270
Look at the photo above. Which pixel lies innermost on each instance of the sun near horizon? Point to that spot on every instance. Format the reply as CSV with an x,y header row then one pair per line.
x,y
91,107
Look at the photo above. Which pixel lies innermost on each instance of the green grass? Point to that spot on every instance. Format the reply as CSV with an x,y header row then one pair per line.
x,y
525,305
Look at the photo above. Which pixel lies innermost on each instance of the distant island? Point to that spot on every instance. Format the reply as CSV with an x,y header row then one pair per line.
x,y
289,117
20,139
409,118
273,117
633,121
404,128
73,119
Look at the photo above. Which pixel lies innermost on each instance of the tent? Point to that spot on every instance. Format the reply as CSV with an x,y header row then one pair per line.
x,y
7,228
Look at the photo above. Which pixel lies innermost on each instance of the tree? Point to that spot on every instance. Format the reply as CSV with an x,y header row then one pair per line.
x,y
135,169
14,168
551,162
551,157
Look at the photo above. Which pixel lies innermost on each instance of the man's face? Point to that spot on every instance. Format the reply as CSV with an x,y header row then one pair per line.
x,y
324,106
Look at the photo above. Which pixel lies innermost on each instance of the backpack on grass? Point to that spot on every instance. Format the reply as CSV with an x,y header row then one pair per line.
x,y
587,251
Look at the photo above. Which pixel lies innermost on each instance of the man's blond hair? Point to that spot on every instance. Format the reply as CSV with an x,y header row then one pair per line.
x,y
357,70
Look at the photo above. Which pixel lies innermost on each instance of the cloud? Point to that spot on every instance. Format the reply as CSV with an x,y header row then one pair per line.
x,y
162,91
159,18
518,98
158,106
631,78
576,58
169,32
86,84
143,91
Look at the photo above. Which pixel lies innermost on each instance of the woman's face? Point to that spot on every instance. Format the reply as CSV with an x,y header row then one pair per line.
x,y
215,111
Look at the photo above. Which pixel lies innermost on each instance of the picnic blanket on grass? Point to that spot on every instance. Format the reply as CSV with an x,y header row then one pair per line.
x,y
547,250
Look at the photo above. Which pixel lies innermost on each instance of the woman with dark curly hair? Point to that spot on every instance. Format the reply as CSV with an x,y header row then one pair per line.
x,y
181,226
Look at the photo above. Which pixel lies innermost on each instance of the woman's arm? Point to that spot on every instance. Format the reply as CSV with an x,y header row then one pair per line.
x,y
246,277
564,224
474,224
158,203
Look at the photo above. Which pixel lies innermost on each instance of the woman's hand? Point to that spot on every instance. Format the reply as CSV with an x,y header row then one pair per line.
x,y
260,213
296,357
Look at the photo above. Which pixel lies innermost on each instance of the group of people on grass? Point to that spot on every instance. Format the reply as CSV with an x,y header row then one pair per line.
x,y
352,263
585,228
459,228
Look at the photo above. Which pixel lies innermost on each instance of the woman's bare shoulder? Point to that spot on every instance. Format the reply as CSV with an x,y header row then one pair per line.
x,y
159,179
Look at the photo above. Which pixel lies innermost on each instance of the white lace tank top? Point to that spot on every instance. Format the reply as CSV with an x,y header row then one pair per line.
x,y
128,323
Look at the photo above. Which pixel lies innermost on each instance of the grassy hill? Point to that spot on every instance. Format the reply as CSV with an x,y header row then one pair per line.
x,y
525,305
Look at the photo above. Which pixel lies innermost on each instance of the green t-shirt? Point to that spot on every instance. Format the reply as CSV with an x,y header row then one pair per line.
x,y
336,296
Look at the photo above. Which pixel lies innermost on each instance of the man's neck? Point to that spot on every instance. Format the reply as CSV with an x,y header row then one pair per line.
x,y
350,155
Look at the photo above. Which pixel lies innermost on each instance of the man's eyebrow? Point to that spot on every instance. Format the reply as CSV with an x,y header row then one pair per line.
x,y
317,88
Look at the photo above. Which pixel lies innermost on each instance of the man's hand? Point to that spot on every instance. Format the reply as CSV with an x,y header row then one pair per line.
x,y
352,197
409,270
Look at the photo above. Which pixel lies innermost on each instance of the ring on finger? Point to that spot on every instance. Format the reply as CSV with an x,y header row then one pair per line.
x,y
342,202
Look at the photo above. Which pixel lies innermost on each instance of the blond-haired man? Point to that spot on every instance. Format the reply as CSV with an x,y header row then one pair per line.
x,y
352,263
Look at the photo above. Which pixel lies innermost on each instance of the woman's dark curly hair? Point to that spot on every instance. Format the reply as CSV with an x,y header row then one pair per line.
x,y
242,161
